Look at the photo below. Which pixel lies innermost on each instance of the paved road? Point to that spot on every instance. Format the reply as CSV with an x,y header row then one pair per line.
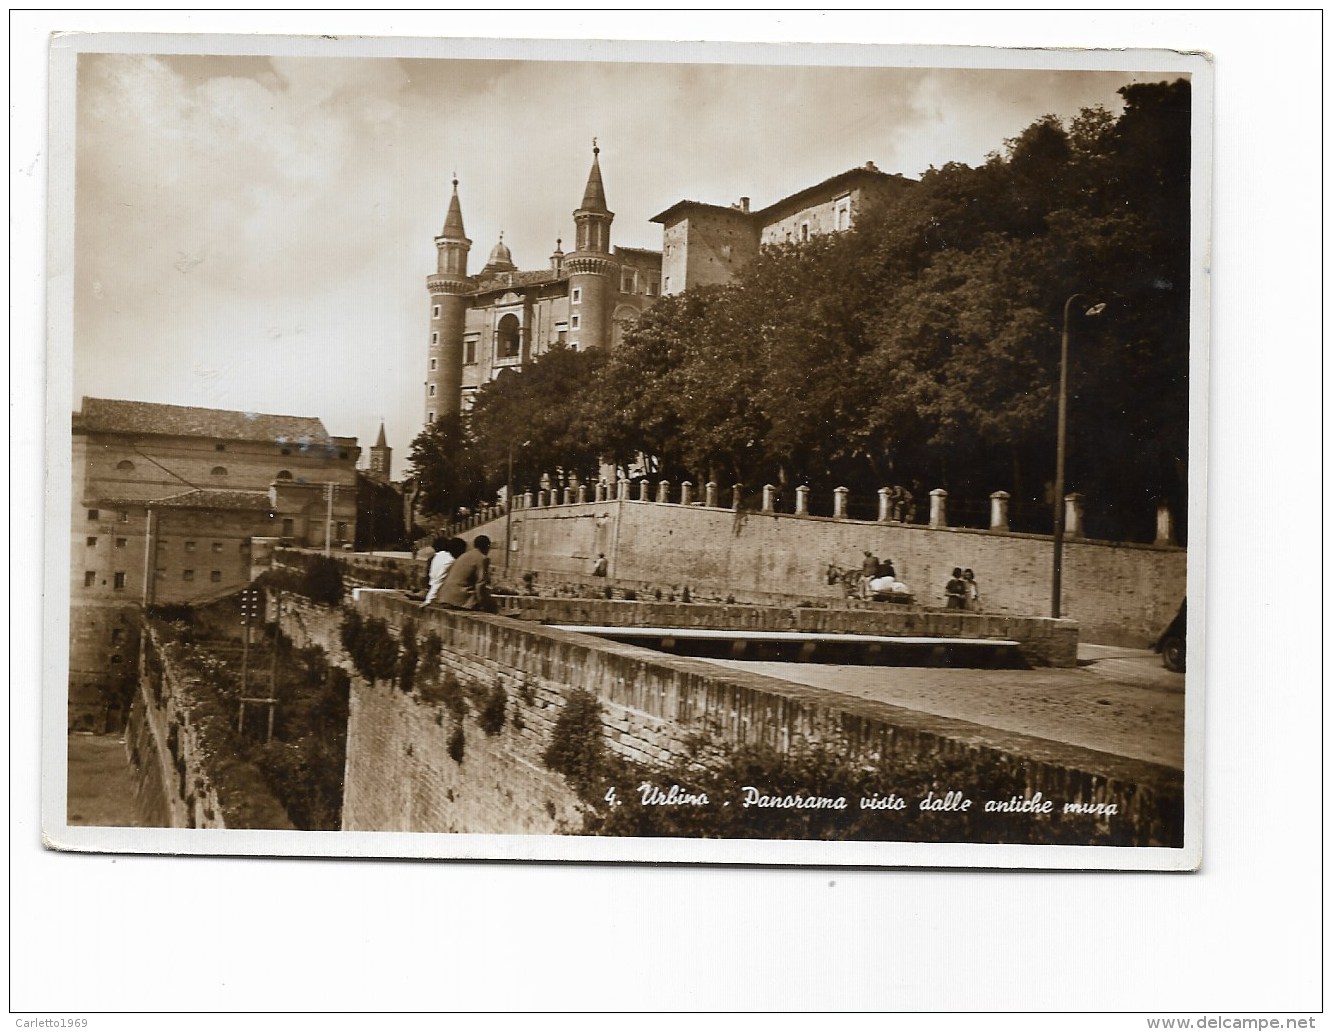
x,y
1117,700
101,788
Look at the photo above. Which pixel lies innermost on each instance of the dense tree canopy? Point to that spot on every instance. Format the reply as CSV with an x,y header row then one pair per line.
x,y
920,348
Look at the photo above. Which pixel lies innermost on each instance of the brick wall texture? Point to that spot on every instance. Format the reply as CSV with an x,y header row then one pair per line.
x,y
401,776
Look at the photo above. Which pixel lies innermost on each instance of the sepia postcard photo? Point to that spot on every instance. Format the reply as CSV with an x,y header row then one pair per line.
x,y
696,453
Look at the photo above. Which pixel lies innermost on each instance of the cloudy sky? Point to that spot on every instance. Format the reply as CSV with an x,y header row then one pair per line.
x,y
254,232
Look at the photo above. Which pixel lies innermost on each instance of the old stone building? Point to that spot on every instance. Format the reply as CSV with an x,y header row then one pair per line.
x,y
503,317
167,500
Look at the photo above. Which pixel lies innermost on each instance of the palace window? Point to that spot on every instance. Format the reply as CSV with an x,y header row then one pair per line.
x,y
430,417
653,284
218,471
283,474
434,312
125,465
431,390
217,546
574,321
434,338
804,231
469,349
628,281
92,542
576,295
189,546
93,514
286,451
117,634
508,341
89,579
434,364
121,542
219,447
215,576
118,582
843,213
189,575
561,333
122,516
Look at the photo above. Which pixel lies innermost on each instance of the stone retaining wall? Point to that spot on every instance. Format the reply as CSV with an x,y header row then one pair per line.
x,y
402,775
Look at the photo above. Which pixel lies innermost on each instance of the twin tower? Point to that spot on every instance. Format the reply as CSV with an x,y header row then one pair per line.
x,y
504,317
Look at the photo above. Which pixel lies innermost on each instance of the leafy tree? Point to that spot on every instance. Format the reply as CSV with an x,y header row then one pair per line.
x,y
444,463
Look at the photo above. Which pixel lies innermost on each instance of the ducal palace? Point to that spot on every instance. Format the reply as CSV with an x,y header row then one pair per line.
x,y
503,317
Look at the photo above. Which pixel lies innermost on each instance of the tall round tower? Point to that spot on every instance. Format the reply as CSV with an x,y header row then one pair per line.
x,y
448,288
589,265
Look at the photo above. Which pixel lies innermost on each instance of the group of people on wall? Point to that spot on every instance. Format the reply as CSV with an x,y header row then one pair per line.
x,y
879,583
459,577
962,590
878,580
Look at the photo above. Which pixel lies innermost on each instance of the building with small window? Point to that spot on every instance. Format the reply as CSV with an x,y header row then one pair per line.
x,y
166,500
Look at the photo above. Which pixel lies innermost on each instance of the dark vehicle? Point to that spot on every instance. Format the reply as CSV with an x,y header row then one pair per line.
x,y
1171,642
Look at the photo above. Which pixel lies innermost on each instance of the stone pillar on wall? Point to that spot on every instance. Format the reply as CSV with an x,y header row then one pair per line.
x,y
644,490
568,496
527,499
999,511
885,507
802,500
581,494
686,493
664,491
736,492
622,490
1074,511
769,496
839,502
600,493
1165,526
710,494
543,499
938,507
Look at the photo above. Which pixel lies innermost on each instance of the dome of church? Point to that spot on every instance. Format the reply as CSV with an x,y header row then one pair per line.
x,y
500,256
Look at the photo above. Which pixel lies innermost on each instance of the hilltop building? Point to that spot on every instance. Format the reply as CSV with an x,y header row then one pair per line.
x,y
503,317
167,500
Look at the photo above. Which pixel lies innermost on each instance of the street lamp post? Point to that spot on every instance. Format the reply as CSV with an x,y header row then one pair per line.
x,y
508,508
1056,578
508,512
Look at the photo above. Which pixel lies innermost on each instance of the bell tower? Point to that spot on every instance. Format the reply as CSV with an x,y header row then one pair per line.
x,y
448,287
589,264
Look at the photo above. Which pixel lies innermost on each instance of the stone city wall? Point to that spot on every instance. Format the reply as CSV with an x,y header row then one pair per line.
x,y
407,770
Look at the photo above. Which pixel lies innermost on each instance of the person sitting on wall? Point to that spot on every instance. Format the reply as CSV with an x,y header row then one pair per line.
x,y
599,567
467,585
447,551
956,590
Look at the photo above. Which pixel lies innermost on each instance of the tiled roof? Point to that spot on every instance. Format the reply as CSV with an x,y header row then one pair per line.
x,y
666,215
105,415
519,279
201,498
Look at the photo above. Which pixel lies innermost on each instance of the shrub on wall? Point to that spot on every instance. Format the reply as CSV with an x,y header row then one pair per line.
x,y
408,656
576,748
322,582
491,716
